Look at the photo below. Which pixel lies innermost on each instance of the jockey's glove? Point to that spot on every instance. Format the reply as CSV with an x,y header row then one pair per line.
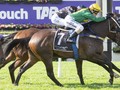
x,y
108,16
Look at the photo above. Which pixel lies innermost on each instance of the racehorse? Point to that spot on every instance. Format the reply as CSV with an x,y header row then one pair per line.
x,y
41,48
19,53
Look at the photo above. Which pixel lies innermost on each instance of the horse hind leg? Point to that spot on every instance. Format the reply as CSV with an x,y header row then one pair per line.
x,y
11,71
79,70
50,73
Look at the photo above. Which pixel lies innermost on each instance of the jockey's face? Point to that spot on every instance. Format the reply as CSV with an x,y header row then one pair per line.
x,y
95,12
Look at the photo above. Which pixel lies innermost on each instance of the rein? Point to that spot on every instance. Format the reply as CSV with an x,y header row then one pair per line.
x,y
115,22
92,36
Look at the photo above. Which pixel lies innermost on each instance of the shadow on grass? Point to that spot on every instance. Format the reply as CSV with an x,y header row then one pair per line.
x,y
78,85
93,85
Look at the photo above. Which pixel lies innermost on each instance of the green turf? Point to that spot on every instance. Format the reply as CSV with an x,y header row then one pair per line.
x,y
95,77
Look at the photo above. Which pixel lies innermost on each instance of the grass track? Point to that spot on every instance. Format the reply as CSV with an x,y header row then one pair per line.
x,y
95,77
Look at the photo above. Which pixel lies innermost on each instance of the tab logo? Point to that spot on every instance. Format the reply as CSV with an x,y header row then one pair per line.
x,y
43,12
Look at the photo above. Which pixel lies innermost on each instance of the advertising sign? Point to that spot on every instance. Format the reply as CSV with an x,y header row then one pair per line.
x,y
39,13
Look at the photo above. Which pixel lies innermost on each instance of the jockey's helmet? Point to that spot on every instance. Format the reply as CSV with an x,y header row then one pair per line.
x,y
95,8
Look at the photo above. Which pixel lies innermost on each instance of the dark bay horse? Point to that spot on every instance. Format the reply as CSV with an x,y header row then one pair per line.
x,y
41,48
19,53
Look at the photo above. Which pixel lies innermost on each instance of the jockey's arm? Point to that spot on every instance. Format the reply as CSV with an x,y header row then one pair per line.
x,y
94,18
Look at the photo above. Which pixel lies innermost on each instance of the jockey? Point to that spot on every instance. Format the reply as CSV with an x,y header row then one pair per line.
x,y
73,20
58,17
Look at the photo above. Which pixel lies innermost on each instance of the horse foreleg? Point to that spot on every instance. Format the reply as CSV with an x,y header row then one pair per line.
x,y
105,60
11,71
29,63
106,68
13,67
79,70
117,69
50,73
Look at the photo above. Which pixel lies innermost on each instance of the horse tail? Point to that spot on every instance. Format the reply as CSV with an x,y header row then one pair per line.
x,y
14,43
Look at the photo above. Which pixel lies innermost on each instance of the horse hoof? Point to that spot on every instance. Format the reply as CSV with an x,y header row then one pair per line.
x,y
15,84
61,85
111,82
82,83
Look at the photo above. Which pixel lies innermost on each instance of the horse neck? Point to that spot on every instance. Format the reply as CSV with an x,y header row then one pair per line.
x,y
112,36
101,28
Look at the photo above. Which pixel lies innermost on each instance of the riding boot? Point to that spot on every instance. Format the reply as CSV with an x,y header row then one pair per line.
x,y
71,36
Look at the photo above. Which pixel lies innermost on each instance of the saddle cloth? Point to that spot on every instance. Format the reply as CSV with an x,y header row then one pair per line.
x,y
60,43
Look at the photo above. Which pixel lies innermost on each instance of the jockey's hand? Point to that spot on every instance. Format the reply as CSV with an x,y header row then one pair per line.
x,y
109,15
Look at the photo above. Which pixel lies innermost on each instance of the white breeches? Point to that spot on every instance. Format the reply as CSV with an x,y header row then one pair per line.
x,y
70,22
55,19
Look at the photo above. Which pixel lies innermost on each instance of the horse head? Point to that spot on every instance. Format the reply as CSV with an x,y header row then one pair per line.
x,y
114,28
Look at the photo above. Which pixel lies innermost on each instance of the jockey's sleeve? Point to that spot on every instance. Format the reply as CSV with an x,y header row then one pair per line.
x,y
93,18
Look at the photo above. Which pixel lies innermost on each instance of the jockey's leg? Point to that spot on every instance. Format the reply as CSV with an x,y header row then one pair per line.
x,y
71,23
75,33
69,39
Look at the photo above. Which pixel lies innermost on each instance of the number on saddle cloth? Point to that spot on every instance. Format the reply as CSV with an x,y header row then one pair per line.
x,y
60,41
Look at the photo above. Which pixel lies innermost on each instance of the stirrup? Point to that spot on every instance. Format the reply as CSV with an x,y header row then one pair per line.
x,y
70,41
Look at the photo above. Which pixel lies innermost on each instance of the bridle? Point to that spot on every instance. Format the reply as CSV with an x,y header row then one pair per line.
x,y
117,31
115,21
